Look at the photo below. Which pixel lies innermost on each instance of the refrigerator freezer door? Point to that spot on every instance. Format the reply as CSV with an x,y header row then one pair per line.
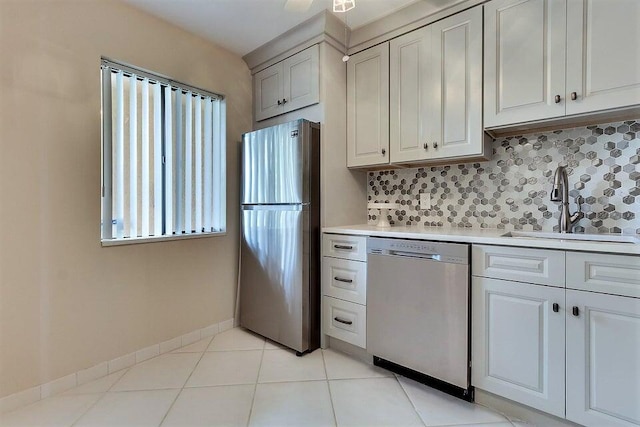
x,y
274,295
275,162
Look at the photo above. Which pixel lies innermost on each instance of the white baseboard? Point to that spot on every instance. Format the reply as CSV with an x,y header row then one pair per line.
x,y
33,394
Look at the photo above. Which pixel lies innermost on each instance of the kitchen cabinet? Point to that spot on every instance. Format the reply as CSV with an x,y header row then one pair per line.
x,y
603,359
288,85
546,59
368,107
518,342
521,332
436,91
344,288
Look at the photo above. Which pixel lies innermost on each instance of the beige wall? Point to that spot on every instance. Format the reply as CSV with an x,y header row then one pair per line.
x,y
66,303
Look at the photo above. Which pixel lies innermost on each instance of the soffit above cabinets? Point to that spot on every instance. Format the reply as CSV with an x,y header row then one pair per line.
x,y
241,26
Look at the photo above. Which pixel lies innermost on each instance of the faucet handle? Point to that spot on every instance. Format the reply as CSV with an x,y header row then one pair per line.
x,y
579,202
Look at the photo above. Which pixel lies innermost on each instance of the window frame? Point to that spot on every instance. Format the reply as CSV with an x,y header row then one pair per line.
x,y
218,193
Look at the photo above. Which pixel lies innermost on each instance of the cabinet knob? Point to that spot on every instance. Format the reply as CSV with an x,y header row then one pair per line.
x,y
426,146
574,96
383,151
557,99
576,311
284,101
279,102
556,307
435,145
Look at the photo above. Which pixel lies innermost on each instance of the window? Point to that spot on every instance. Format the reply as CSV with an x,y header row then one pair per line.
x,y
163,158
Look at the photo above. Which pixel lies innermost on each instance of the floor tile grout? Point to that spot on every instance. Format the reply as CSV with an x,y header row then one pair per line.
x,y
326,373
255,387
413,405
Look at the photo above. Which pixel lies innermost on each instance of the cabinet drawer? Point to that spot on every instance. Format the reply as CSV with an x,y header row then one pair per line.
x,y
347,247
345,279
611,274
538,266
344,320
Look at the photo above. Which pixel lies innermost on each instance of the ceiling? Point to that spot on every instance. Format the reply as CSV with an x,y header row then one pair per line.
x,y
243,25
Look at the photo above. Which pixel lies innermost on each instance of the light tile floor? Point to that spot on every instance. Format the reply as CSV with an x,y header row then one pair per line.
x,y
238,378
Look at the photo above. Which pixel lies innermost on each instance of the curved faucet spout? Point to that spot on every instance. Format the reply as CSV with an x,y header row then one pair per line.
x,y
560,193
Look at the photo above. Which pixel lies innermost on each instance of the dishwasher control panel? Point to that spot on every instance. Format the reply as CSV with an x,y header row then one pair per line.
x,y
457,253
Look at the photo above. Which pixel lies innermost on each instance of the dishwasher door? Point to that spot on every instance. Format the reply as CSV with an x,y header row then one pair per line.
x,y
418,310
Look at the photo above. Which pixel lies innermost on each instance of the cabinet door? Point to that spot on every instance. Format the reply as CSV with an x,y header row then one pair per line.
x,y
525,44
518,342
368,107
301,79
456,61
267,88
603,359
603,54
409,96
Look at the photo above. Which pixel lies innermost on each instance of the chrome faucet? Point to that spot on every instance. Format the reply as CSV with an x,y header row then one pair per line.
x,y
560,193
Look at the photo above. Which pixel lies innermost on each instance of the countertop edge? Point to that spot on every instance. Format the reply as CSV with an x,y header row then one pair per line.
x,y
484,236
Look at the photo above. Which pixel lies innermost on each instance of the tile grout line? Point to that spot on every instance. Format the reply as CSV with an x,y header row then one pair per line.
x,y
410,401
186,381
255,386
333,408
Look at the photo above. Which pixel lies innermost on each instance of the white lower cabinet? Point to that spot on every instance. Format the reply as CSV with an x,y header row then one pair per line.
x,y
519,342
603,359
344,320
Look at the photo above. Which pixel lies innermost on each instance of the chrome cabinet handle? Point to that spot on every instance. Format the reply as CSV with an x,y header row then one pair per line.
x,y
574,96
435,145
576,311
557,99
556,307
346,322
345,247
340,279
426,145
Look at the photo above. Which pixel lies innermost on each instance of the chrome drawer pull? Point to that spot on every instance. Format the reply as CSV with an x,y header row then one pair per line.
x,y
340,279
346,322
345,247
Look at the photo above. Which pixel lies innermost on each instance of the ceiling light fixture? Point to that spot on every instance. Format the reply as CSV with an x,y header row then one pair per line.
x,y
341,6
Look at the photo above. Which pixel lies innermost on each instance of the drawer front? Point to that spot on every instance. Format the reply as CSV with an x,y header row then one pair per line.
x,y
343,246
611,274
345,321
539,266
345,279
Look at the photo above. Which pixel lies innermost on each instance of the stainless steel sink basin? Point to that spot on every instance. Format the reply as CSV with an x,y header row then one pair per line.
x,y
611,238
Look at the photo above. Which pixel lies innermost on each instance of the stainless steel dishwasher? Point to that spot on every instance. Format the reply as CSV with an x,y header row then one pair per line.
x,y
418,311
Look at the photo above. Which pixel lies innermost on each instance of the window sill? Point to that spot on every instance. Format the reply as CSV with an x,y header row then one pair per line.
x,y
138,240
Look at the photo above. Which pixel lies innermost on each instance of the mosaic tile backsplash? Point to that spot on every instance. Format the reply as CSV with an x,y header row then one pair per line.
x,y
511,191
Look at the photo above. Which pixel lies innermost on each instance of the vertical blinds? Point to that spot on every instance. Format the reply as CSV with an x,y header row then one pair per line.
x,y
163,157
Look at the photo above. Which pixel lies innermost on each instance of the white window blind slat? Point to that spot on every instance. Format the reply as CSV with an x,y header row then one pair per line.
x,y
208,166
157,160
133,157
216,168
198,164
178,164
119,158
145,187
168,164
188,159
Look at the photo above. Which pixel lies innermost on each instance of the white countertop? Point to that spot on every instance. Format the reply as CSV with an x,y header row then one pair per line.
x,y
482,236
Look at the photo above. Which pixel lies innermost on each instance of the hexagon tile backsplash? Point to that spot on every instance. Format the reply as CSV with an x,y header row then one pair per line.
x,y
511,191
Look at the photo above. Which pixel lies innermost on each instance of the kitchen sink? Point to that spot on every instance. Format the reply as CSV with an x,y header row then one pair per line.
x,y
611,238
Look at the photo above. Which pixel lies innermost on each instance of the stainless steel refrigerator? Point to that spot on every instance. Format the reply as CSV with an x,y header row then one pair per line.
x,y
280,259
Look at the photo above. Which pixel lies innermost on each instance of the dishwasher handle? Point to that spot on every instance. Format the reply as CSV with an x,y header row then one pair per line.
x,y
403,254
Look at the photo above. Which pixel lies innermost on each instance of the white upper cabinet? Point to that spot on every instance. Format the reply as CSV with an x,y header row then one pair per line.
x,y
547,59
436,91
409,96
455,123
525,44
603,54
288,85
368,107
603,359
